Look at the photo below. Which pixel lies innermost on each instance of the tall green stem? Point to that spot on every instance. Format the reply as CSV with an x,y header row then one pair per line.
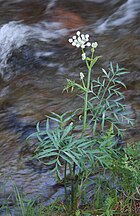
x,y
65,184
86,101
72,187
87,91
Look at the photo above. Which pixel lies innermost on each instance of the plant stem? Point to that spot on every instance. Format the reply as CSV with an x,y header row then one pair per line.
x,y
89,67
65,184
86,101
72,187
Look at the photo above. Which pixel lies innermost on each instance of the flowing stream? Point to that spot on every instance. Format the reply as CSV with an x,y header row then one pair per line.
x,y
36,59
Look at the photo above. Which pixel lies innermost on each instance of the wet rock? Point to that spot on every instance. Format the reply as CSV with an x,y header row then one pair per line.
x,y
68,19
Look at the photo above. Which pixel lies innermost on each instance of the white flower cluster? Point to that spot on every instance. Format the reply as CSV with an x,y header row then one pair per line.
x,y
80,40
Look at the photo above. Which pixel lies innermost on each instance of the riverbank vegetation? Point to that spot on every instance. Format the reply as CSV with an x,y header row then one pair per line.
x,y
108,191
100,176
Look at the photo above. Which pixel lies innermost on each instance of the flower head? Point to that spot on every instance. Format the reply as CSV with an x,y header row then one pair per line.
x,y
80,40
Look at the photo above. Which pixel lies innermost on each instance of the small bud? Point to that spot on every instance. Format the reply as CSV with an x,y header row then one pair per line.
x,y
87,36
73,44
79,39
81,76
70,40
83,56
94,45
78,33
88,44
83,36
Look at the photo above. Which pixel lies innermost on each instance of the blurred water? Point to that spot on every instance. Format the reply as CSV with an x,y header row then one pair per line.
x,y
16,34
36,59
123,15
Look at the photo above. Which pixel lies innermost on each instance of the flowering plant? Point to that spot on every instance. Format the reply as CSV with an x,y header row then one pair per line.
x,y
82,41
105,90
70,153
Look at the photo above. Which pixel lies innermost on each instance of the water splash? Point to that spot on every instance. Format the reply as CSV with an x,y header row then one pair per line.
x,y
125,14
14,34
51,4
